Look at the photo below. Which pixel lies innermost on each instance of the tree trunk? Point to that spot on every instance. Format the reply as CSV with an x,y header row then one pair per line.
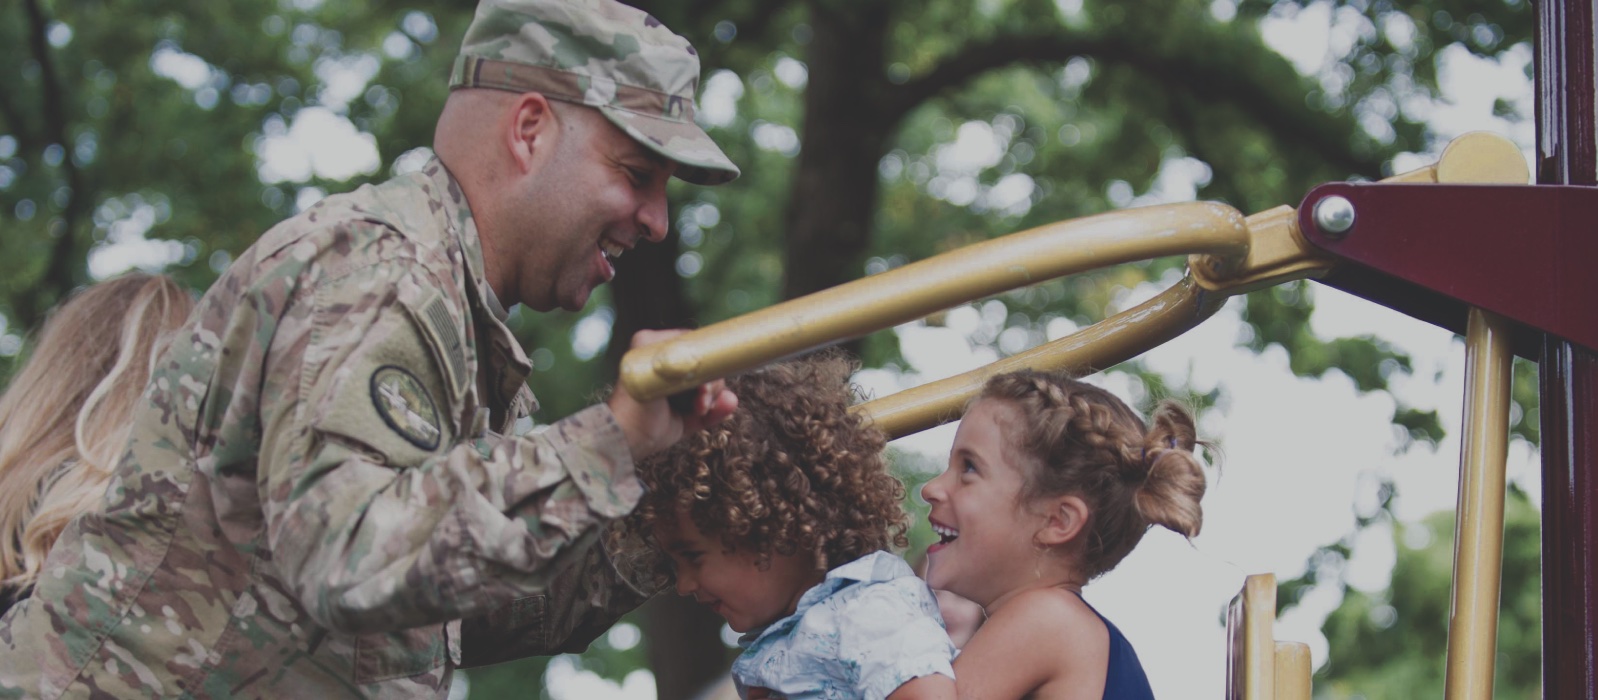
x,y
66,266
683,638
685,649
646,294
828,232
835,181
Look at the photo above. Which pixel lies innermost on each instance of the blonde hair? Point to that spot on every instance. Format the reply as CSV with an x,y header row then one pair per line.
x,y
76,376
1080,439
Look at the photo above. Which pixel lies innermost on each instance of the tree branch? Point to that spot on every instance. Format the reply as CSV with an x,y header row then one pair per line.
x,y
14,123
1283,114
682,16
58,277
54,113
757,23
980,57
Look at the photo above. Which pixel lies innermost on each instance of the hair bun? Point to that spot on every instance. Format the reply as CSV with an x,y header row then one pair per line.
x,y
1173,482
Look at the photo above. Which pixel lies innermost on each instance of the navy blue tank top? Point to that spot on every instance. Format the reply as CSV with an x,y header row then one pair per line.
x,y
1124,680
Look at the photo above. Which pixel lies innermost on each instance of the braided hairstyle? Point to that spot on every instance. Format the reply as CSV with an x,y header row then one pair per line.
x,y
1080,439
792,471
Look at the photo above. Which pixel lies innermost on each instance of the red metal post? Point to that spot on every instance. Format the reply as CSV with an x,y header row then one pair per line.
x,y
1567,128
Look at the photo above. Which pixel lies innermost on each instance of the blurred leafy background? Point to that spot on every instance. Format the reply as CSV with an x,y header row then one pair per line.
x,y
160,133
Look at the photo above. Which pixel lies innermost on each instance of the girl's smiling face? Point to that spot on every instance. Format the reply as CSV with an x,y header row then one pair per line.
x,y
986,546
731,582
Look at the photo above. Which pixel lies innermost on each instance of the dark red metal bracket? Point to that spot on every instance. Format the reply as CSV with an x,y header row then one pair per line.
x,y
1526,252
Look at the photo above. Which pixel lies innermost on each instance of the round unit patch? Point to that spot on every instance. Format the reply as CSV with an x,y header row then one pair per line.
x,y
406,406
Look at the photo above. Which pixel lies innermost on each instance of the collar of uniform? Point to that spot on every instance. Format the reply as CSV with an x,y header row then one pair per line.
x,y
494,307
450,202
457,214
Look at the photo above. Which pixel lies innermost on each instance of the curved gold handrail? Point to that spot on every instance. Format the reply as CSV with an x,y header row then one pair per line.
x,y
1229,255
1276,252
1109,342
934,284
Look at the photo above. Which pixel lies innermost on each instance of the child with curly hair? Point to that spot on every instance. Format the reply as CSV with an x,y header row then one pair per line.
x,y
1050,483
778,520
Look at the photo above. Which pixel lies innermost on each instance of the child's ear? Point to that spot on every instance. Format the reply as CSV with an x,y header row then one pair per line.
x,y
1066,519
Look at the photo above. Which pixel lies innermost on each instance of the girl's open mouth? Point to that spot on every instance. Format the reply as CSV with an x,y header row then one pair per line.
x,y
945,535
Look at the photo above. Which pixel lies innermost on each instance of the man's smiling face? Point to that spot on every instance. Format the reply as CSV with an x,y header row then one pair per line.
x,y
599,194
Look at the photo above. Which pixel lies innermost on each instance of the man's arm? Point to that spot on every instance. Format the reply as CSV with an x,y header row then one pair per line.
x,y
374,532
603,583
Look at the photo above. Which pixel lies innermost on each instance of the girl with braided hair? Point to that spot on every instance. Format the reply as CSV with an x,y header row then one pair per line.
x,y
1050,483
779,519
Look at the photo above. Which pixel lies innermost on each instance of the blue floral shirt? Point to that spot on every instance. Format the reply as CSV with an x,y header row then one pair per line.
x,y
869,627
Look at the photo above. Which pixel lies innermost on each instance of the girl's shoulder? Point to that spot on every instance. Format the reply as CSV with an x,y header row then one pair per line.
x,y
1041,637
1052,616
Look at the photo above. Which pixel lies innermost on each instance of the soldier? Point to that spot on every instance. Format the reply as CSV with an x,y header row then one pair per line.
x,y
316,500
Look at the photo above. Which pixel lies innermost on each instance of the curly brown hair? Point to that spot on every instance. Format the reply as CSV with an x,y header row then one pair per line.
x,y
1079,438
792,471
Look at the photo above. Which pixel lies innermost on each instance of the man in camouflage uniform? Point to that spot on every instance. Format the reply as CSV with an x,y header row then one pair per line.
x,y
317,500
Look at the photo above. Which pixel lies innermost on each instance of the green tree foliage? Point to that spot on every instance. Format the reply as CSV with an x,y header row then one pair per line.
x,y
1392,643
122,121
128,120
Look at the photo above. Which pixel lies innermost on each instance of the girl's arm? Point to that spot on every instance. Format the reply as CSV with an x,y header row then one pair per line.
x,y
1038,637
934,687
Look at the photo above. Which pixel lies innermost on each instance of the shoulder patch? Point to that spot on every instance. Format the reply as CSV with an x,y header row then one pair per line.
x,y
406,406
439,326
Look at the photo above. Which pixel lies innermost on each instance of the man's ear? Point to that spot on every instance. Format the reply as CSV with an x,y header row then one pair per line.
x,y
1066,519
532,130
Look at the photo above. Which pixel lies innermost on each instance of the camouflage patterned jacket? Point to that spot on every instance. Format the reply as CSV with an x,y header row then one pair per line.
x,y
315,496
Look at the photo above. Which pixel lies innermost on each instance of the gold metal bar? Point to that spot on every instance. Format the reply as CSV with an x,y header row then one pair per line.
x,y
1226,258
1478,157
1277,253
918,289
1250,630
1292,671
1481,158
1423,175
1479,518
1103,344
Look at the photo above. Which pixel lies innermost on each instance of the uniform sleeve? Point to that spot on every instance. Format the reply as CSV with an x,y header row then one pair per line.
x,y
892,634
378,515
582,602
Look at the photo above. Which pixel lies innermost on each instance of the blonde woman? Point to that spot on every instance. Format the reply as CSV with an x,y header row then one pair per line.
x,y
64,419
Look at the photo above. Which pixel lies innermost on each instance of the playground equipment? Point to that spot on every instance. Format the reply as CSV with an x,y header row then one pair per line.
x,y
1258,666
1465,244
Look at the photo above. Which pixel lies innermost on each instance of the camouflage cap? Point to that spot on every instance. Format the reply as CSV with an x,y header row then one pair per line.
x,y
603,54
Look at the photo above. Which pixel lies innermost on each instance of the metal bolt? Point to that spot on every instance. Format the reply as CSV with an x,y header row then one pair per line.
x,y
1334,216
